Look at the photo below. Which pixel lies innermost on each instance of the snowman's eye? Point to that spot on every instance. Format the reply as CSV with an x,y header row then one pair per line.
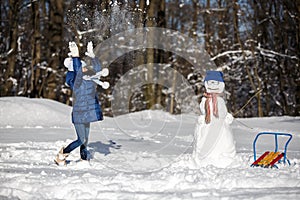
x,y
211,82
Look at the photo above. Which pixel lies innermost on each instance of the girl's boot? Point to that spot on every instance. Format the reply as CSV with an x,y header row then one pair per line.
x,y
60,158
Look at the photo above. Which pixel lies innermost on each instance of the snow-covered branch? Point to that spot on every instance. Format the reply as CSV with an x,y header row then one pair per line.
x,y
265,52
272,54
88,31
6,53
226,53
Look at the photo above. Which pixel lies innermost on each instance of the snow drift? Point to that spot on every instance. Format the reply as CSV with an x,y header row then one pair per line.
x,y
23,112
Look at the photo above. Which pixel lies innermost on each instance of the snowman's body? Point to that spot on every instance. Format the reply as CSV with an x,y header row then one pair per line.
x,y
214,144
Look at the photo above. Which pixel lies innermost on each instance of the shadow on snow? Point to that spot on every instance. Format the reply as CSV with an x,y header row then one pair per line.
x,y
103,148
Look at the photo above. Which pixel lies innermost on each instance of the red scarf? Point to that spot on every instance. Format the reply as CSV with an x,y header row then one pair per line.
x,y
210,96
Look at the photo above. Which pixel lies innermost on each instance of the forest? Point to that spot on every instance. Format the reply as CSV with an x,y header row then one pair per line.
x,y
255,43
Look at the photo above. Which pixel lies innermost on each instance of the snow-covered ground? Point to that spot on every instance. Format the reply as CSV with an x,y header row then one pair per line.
x,y
135,156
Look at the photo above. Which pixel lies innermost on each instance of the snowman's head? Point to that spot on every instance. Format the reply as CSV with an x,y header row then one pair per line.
x,y
214,82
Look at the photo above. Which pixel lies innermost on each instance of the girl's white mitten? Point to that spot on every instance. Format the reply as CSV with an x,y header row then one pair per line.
x,y
74,52
90,51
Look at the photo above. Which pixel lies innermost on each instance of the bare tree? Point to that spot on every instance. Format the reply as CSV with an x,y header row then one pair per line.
x,y
207,27
51,89
151,22
35,50
13,15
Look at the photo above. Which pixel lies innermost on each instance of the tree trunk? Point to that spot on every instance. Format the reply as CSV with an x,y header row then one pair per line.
x,y
298,50
236,38
56,42
298,25
151,14
193,30
207,28
221,27
140,58
252,78
13,15
35,50
161,55
161,21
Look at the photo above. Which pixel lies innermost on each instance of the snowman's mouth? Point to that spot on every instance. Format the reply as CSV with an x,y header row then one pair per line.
x,y
213,88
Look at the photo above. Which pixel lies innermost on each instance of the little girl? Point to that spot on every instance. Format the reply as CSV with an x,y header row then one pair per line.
x,y
214,143
86,107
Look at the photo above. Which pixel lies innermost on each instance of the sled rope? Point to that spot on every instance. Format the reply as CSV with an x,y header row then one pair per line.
x,y
242,108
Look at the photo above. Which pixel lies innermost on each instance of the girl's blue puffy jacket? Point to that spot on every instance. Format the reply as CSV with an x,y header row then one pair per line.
x,y
86,107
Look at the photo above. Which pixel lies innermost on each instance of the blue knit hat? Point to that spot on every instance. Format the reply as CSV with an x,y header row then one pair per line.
x,y
214,75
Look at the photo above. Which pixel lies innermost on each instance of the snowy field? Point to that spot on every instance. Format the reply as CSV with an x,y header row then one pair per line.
x,y
136,156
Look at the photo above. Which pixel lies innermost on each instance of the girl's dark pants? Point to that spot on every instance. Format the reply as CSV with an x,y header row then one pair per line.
x,y
82,131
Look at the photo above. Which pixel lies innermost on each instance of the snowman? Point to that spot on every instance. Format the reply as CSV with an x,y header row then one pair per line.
x,y
214,144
